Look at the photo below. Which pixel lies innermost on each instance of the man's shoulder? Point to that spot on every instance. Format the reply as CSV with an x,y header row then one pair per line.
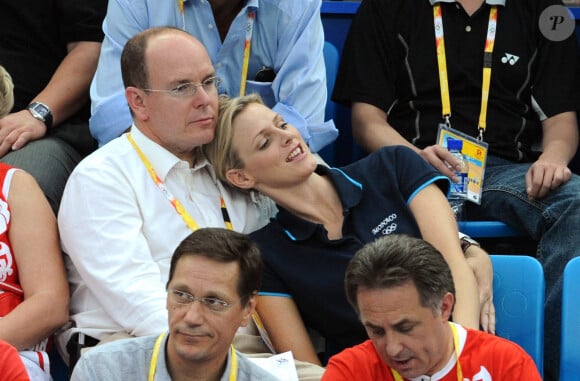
x,y
129,346
121,359
488,345
249,370
114,151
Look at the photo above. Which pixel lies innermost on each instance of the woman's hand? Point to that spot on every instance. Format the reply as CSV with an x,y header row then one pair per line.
x,y
479,261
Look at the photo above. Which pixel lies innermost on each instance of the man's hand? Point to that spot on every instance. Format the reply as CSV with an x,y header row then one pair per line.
x,y
17,129
545,175
440,158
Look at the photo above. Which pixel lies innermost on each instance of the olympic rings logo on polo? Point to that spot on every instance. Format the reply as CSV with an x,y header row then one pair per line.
x,y
384,226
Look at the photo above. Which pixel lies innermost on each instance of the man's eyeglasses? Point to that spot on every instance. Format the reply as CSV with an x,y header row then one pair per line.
x,y
189,89
185,299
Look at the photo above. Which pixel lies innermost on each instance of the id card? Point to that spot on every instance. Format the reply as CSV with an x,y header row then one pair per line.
x,y
475,153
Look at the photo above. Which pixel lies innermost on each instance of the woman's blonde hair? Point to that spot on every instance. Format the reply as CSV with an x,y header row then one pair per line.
x,y
220,152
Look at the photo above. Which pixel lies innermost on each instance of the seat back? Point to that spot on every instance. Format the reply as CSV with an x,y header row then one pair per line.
x,y
570,345
518,294
331,61
487,229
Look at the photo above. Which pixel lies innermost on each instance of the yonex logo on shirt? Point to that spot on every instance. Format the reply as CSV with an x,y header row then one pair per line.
x,y
510,58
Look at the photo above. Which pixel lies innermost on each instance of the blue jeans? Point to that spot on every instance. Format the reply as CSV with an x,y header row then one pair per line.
x,y
552,221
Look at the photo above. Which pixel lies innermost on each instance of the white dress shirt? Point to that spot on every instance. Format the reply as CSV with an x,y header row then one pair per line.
x,y
119,231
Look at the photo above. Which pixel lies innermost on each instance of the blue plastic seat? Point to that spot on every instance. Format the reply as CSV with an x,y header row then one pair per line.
x,y
487,229
518,294
570,346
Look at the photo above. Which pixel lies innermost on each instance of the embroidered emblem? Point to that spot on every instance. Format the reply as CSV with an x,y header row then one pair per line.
x,y
387,226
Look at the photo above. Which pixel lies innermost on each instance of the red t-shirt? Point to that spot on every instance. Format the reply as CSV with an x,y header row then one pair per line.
x,y
11,366
483,357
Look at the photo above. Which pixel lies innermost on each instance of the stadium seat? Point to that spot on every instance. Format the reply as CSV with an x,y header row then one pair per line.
x,y
570,346
331,60
487,229
518,294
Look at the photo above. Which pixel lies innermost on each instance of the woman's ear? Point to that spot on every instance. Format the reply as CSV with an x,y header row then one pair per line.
x,y
239,179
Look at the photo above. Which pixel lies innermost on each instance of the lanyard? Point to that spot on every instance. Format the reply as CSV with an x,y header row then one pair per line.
x,y
189,221
455,344
247,45
442,64
155,357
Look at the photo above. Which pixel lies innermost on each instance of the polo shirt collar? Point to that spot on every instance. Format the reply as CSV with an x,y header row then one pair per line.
x,y
490,2
349,192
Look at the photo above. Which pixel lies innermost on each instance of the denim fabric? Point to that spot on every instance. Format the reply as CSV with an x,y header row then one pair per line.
x,y
552,221
50,161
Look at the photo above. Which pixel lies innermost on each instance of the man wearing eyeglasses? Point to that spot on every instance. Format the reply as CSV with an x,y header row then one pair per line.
x,y
129,204
213,282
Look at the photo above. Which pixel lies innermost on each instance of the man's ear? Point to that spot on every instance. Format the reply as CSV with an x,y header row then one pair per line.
x,y
137,103
447,304
239,179
249,309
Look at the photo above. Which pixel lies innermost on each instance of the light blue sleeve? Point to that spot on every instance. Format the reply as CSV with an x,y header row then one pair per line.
x,y
300,84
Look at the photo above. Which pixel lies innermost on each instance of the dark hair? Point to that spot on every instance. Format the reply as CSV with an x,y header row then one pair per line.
x,y
224,246
133,62
394,260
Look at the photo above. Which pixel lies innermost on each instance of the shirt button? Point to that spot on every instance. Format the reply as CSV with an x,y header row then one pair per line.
x,y
468,28
210,26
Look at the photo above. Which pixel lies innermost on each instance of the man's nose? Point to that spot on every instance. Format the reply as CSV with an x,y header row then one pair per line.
x,y
201,97
393,345
194,313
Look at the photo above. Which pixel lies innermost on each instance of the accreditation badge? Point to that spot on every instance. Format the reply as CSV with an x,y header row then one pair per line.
x,y
475,152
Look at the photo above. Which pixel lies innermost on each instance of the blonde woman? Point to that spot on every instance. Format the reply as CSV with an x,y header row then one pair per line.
x,y
325,216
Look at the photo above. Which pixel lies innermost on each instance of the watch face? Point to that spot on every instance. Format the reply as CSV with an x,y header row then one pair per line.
x,y
41,112
41,109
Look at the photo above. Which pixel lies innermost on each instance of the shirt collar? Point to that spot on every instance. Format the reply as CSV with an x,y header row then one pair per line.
x,y
349,192
490,2
161,159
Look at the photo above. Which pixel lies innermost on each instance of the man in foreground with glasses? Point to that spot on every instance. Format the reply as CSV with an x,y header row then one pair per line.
x,y
402,289
212,290
129,204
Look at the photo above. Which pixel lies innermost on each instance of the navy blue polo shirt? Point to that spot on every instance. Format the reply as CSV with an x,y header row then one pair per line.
x,y
389,60
302,263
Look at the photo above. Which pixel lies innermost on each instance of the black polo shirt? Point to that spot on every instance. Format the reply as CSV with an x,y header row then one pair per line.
x,y
302,263
389,60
